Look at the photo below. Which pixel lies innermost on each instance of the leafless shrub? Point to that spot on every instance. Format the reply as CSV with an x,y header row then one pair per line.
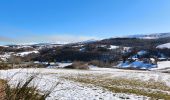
x,y
4,66
102,64
78,65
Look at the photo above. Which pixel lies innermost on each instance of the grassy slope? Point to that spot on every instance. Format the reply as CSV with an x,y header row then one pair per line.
x,y
155,90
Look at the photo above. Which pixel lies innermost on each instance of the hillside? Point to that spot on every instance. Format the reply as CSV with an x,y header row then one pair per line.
x,y
163,46
106,50
150,36
134,42
132,68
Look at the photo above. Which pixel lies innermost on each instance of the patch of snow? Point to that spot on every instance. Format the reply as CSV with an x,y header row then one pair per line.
x,y
26,53
142,52
126,48
6,56
162,46
82,49
113,47
59,65
163,66
5,46
136,65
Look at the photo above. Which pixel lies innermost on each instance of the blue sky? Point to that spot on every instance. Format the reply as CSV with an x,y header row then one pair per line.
x,y
78,20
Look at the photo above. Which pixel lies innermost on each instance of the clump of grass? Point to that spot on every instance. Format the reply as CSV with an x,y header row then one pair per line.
x,y
152,89
2,87
25,92
102,64
4,66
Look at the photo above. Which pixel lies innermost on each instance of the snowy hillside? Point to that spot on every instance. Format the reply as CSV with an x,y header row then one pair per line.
x,y
166,45
150,36
25,53
93,84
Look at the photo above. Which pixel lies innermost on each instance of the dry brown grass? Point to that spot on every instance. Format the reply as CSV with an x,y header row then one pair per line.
x,y
22,91
5,65
152,89
78,65
102,64
2,88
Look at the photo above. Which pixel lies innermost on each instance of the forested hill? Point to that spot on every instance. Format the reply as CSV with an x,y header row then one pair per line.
x,y
134,42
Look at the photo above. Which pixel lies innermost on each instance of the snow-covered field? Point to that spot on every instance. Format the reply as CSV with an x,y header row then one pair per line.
x,y
47,78
66,90
162,46
163,66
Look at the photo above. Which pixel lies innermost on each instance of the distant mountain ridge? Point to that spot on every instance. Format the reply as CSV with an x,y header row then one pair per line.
x,y
162,46
150,36
139,40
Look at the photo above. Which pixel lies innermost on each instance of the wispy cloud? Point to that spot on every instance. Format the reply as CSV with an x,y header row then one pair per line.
x,y
47,38
5,39
17,35
69,38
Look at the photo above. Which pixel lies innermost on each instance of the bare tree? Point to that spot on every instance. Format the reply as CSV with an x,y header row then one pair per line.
x,y
15,60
